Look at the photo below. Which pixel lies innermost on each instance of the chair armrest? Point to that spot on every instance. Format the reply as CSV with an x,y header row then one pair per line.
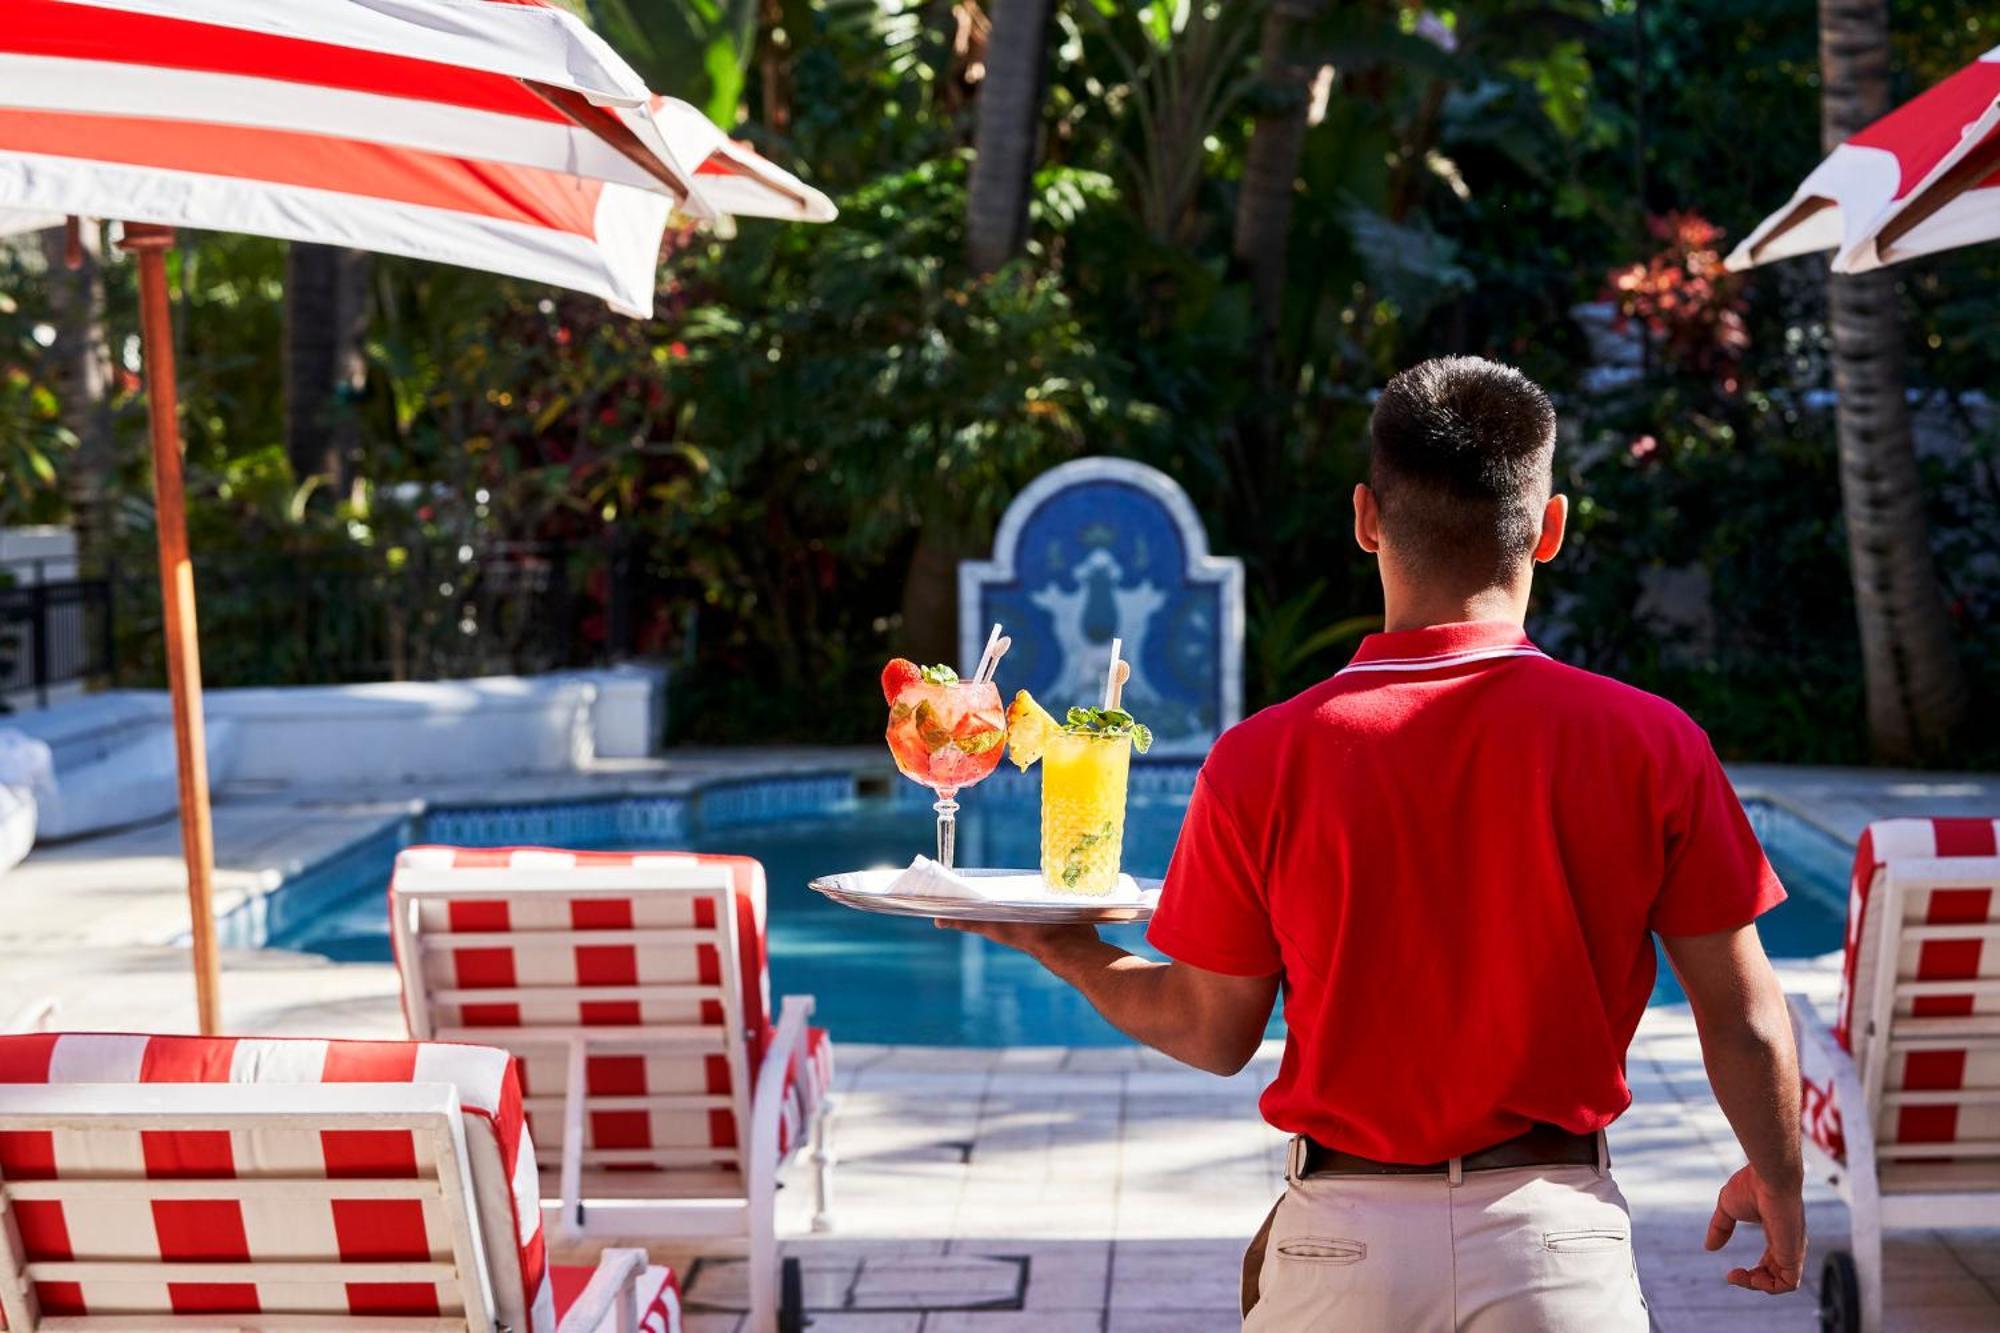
x,y
570,1175
38,1016
794,1012
597,1308
1837,1125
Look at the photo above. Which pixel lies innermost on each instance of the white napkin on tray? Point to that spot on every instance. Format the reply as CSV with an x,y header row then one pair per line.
x,y
927,879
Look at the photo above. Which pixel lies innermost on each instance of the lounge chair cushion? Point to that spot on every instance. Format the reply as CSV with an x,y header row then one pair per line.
x,y
505,1188
659,1295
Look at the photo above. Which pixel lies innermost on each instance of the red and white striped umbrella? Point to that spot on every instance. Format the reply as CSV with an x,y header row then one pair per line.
x,y
352,122
1925,177
495,134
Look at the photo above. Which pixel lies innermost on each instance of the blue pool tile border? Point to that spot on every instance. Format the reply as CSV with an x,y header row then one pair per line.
x,y
303,894
733,802
583,823
666,818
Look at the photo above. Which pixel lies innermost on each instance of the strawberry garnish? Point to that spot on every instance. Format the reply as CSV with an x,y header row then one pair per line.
x,y
899,675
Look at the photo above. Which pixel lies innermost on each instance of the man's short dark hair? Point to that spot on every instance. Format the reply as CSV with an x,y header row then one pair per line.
x,y
1461,459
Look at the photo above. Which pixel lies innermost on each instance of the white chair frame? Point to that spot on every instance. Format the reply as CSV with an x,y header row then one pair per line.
x,y
748,1220
37,1015
428,1110
1855,1084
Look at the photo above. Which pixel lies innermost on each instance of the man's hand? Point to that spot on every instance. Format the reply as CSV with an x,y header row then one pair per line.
x,y
1039,942
1746,1042
1782,1214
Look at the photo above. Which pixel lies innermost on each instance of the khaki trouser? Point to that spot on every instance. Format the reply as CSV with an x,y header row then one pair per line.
x,y
1535,1249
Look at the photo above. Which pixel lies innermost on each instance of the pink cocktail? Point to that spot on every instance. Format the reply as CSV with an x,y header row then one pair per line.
x,y
945,733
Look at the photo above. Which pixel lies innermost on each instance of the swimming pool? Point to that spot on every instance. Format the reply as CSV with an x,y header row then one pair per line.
x,y
888,979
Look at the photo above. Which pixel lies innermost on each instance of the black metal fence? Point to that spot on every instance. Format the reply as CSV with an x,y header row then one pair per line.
x,y
405,613
52,630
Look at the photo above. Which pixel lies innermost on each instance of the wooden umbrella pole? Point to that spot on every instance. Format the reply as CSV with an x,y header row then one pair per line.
x,y
150,244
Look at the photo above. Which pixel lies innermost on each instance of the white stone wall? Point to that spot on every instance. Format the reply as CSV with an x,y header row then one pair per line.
x,y
113,752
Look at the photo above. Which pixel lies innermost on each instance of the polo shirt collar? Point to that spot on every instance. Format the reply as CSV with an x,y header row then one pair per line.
x,y
1435,647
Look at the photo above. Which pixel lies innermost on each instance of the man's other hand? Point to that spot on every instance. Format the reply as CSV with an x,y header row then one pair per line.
x,y
1782,1215
1042,942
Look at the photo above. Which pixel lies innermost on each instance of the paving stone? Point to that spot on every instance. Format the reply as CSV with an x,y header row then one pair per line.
x,y
873,1321
1226,1319
703,1322
938,1282
1013,1321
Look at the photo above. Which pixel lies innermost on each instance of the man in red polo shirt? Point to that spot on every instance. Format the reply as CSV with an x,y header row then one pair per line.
x,y
1453,856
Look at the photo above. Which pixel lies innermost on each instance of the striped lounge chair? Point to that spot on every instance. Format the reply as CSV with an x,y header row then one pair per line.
x,y
1902,1094
211,1183
633,988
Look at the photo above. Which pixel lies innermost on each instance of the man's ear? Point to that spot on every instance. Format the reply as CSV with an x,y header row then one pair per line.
x,y
1555,522
1367,519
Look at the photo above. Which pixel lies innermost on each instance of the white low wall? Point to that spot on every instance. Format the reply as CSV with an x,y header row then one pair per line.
x,y
113,752
112,761
629,717
339,735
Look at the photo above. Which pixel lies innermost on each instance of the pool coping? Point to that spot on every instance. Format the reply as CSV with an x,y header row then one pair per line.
x,y
261,910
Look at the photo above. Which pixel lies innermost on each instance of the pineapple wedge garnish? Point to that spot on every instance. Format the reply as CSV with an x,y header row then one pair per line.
x,y
1029,727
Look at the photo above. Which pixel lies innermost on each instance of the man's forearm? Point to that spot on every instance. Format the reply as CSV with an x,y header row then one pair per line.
x,y
1146,1001
1753,1066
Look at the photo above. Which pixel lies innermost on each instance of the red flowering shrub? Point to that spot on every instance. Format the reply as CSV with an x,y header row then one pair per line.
x,y
1689,306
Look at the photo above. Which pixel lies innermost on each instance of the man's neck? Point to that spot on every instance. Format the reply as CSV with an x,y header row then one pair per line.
x,y
1418,609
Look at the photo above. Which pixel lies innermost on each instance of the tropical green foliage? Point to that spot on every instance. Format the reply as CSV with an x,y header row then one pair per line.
x,y
816,415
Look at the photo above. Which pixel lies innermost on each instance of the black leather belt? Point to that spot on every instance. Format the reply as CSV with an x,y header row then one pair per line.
x,y
1544,1145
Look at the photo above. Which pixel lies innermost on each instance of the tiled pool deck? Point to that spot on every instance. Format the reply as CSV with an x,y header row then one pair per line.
x,y
1043,1189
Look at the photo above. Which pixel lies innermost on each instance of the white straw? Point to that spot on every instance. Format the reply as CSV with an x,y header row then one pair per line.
x,y
1111,675
999,652
979,672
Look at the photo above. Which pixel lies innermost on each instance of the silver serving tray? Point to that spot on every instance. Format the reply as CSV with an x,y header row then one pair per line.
x,y
853,889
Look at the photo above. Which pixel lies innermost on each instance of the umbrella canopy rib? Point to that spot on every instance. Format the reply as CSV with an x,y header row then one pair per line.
x,y
1924,178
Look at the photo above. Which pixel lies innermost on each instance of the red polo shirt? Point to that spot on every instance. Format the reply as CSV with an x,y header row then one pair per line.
x,y
1455,851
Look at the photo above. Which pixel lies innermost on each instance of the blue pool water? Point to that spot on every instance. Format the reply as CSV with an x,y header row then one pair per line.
x,y
890,979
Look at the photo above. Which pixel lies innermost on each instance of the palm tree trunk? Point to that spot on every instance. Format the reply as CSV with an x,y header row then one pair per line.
x,y
1271,162
326,316
1915,682
930,597
1009,114
774,69
1262,238
81,362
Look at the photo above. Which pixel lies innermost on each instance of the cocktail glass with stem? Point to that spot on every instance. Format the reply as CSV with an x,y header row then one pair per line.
x,y
948,736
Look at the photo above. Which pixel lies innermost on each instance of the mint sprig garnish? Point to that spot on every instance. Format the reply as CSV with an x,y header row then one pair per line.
x,y
979,742
939,675
1074,863
934,733
1109,722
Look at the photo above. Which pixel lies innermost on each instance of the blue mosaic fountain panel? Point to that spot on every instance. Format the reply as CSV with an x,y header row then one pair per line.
x,y
1103,557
